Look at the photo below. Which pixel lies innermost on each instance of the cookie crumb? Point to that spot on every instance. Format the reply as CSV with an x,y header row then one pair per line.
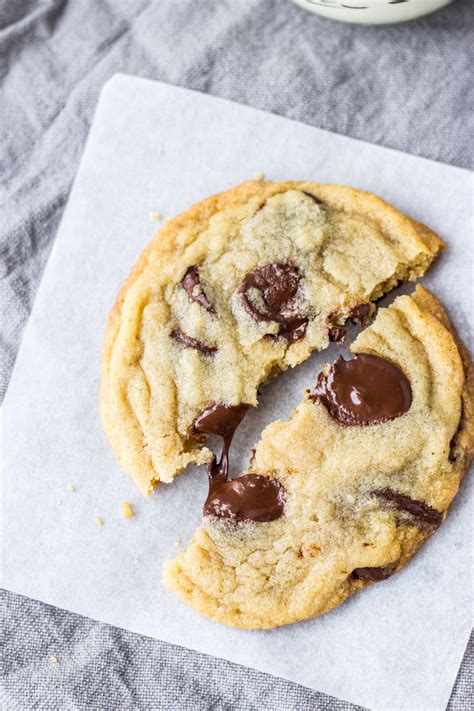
x,y
127,511
99,522
70,488
258,176
155,216
177,542
53,659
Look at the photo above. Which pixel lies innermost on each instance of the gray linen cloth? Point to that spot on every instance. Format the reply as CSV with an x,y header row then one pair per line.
x,y
406,86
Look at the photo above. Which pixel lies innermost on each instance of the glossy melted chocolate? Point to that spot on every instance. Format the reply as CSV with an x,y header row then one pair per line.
x,y
278,285
248,498
365,390
221,420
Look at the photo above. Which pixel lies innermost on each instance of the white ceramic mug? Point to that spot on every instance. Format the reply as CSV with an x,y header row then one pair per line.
x,y
372,12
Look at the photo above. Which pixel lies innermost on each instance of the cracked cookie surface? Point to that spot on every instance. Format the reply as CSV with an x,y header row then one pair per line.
x,y
239,287
361,494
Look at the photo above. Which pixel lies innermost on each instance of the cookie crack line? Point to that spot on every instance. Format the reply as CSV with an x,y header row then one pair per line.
x,y
365,391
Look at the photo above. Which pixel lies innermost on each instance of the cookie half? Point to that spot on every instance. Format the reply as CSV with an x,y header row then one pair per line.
x,y
236,289
347,490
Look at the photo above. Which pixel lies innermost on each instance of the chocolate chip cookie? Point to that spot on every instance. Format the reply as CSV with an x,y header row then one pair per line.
x,y
344,493
236,289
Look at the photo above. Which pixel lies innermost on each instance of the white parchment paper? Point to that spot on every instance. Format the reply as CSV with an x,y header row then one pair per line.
x,y
154,147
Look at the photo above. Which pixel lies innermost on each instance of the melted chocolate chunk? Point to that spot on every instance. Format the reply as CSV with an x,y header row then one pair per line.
x,y
360,314
221,420
193,287
277,286
248,498
418,509
337,334
366,390
373,575
189,342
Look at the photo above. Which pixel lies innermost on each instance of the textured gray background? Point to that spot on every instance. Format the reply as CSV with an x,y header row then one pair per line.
x,y
407,87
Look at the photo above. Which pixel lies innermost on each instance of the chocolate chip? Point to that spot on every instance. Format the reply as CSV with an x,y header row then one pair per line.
x,y
189,342
191,283
360,314
373,575
269,293
278,285
366,390
294,330
418,509
248,498
337,334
